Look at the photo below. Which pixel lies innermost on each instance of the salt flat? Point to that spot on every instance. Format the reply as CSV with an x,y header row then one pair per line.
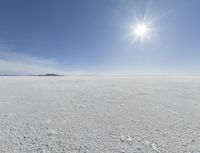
x,y
88,114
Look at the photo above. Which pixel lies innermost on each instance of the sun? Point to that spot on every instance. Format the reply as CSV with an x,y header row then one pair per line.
x,y
141,30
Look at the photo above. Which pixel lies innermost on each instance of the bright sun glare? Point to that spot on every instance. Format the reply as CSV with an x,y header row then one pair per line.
x,y
141,30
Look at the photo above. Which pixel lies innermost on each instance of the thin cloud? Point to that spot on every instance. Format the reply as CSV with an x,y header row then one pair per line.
x,y
14,63
22,57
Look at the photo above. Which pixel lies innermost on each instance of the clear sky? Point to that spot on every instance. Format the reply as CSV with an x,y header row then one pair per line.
x,y
95,36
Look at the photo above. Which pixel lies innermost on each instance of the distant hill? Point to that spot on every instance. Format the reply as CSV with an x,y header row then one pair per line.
x,y
50,74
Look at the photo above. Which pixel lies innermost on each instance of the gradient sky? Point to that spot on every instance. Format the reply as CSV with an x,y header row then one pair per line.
x,y
90,36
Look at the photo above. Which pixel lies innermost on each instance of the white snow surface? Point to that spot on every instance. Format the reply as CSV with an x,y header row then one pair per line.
x,y
96,114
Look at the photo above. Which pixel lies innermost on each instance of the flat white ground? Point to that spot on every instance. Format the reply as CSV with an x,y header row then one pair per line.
x,y
139,114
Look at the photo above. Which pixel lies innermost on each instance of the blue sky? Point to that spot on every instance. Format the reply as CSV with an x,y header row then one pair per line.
x,y
91,36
